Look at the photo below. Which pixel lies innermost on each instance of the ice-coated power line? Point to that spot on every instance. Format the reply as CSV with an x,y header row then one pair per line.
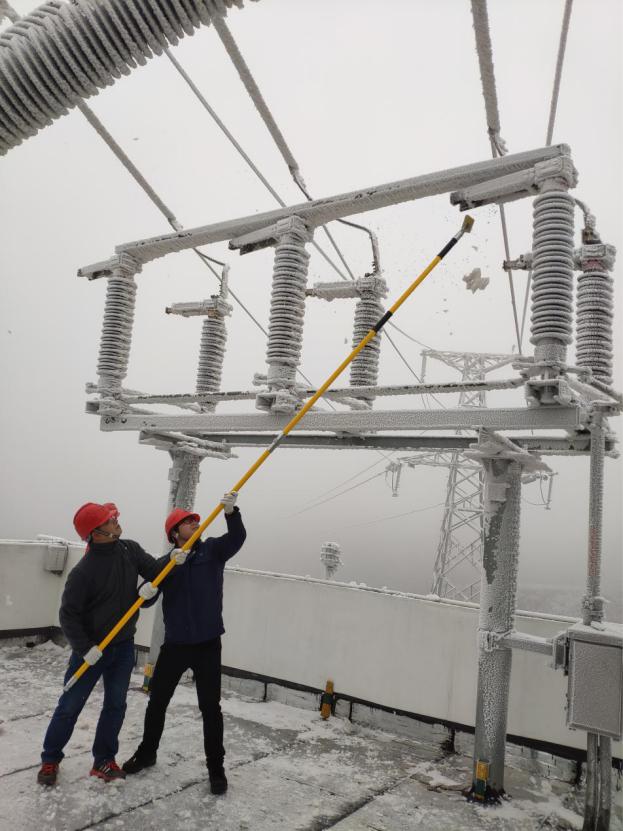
x,y
267,117
558,74
498,146
219,122
397,516
336,495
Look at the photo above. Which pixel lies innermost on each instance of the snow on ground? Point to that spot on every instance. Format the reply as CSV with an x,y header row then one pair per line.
x,y
287,769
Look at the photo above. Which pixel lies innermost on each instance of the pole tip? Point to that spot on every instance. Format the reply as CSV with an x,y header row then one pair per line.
x,y
468,224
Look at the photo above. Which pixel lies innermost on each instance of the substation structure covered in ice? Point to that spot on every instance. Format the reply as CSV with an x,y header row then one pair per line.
x,y
576,399
63,53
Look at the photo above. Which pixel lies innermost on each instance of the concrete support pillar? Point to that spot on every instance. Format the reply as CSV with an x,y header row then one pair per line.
x,y
184,476
502,496
593,604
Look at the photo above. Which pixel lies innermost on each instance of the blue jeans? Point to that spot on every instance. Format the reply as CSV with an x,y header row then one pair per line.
x,y
115,667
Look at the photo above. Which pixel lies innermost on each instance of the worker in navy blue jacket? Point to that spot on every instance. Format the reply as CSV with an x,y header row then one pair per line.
x,y
192,606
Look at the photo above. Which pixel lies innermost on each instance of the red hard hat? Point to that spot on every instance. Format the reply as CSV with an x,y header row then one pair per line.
x,y
91,515
176,516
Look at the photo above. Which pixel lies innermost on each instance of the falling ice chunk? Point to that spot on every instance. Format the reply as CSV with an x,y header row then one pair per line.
x,y
474,281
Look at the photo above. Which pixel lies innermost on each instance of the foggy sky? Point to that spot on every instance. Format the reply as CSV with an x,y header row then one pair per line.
x,y
365,94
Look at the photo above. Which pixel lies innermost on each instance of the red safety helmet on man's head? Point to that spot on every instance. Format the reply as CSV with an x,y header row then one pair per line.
x,y
91,515
177,516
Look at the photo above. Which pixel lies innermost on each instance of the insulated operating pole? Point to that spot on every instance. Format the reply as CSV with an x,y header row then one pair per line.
x,y
465,228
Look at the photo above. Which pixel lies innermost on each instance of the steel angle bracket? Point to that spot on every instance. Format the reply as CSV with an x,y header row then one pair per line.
x,y
497,191
121,264
493,445
188,444
516,185
265,237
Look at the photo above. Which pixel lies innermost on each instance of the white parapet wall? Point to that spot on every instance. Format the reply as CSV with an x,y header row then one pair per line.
x,y
400,651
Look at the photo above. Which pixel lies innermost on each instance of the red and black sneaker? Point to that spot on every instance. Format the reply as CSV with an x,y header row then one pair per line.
x,y
108,771
48,773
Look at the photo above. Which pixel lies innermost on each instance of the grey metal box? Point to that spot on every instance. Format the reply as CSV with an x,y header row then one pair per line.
x,y
55,558
595,691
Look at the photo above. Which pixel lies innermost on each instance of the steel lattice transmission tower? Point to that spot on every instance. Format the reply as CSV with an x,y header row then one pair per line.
x,y
456,572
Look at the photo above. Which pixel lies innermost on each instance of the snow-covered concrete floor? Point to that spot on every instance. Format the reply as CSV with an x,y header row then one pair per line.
x,y
287,769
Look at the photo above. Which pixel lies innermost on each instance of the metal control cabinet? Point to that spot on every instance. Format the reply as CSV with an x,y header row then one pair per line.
x,y
595,691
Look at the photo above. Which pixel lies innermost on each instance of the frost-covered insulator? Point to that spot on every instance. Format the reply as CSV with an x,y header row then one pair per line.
x,y
184,475
552,275
287,313
116,339
212,346
213,337
211,355
330,558
595,311
65,51
364,370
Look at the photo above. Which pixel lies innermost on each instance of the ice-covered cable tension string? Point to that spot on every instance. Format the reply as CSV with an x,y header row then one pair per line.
x,y
62,52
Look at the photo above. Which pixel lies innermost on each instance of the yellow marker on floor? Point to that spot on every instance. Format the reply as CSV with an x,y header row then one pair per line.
x,y
326,700
466,227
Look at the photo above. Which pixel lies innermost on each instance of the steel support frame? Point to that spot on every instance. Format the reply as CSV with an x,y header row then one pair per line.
x,y
545,445
321,211
509,418
502,505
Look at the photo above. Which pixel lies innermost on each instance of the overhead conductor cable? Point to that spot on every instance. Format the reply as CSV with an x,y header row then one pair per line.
x,y
498,145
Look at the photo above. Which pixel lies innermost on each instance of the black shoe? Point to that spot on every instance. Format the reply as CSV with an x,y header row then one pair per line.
x,y
218,780
138,762
108,771
48,773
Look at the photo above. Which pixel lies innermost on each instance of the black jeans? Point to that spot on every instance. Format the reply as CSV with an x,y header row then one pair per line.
x,y
204,659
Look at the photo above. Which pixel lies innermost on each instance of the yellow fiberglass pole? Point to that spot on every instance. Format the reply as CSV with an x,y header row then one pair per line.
x,y
465,228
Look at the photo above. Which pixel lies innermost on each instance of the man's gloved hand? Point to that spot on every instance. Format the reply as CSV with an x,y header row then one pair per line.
x,y
147,591
228,501
92,656
179,556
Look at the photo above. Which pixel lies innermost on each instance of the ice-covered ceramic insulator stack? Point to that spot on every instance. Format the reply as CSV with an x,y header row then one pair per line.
x,y
213,337
287,314
62,52
552,276
364,369
116,339
595,310
330,557
213,343
184,476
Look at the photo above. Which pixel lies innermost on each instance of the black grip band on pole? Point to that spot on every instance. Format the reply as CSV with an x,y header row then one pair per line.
x,y
378,326
447,248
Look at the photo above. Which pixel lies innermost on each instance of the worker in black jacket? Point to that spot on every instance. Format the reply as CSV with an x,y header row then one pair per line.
x,y
192,607
98,592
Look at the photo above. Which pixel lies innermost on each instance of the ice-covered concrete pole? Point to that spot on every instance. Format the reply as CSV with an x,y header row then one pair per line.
x,y
330,558
116,338
287,314
552,280
503,464
64,52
